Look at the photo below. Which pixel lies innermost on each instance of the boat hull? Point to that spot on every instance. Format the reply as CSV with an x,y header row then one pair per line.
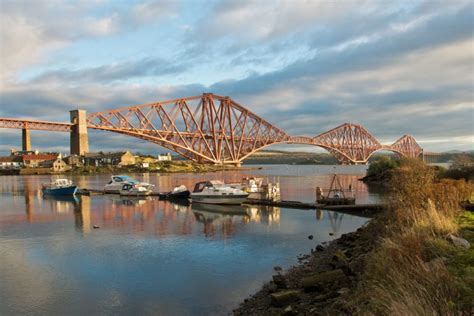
x,y
60,191
127,193
219,199
184,195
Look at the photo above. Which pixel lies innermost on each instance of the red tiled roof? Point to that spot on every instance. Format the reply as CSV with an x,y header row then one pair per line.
x,y
39,157
8,159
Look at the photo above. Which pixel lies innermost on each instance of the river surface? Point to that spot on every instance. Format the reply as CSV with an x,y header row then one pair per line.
x,y
153,257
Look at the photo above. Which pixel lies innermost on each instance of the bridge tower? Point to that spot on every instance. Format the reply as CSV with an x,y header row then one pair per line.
x,y
25,139
79,138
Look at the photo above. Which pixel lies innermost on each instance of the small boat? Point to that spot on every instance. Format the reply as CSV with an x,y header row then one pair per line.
x,y
59,187
178,193
216,192
129,189
116,183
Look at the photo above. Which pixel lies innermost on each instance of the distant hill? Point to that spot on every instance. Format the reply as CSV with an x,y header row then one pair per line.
x,y
291,158
273,157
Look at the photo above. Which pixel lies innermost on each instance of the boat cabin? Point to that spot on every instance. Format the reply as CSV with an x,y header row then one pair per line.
x,y
122,178
61,182
127,187
199,187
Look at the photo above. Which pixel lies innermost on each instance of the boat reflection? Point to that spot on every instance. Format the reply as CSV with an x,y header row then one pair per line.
x,y
129,200
220,219
269,215
148,215
335,219
61,198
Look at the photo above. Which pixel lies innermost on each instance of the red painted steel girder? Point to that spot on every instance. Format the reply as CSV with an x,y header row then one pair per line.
x,y
35,125
207,128
216,129
406,146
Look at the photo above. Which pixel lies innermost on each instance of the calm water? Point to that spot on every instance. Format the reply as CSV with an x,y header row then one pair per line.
x,y
150,256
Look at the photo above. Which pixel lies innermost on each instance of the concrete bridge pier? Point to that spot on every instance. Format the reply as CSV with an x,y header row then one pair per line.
x,y
79,138
25,139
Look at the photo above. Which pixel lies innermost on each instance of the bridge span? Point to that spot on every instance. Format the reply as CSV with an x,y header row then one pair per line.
x,y
211,129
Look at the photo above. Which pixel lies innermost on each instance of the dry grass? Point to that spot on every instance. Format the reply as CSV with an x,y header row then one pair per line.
x,y
407,274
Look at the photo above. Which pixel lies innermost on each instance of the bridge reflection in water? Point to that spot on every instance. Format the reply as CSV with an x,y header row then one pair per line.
x,y
151,216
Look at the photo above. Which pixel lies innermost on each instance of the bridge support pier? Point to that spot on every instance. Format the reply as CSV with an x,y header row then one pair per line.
x,y
79,138
25,139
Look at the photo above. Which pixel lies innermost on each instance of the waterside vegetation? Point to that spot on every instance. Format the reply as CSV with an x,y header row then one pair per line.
x,y
414,258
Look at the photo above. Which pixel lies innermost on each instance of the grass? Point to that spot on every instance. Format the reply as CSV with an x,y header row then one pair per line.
x,y
414,269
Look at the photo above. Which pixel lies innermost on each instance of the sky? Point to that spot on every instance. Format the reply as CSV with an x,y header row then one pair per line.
x,y
395,67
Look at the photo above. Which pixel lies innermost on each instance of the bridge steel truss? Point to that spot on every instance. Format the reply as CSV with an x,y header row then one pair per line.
x,y
35,125
216,129
207,128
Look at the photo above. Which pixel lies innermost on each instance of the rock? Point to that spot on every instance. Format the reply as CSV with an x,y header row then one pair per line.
x,y
323,281
277,268
459,242
319,248
279,281
303,257
288,311
284,298
310,237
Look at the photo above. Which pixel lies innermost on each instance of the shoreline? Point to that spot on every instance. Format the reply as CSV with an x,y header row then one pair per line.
x,y
322,281
188,168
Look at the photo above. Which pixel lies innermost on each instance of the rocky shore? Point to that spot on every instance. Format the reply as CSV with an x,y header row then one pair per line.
x,y
321,284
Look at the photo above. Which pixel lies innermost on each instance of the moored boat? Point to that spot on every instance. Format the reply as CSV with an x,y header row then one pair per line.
x,y
59,187
178,193
116,183
129,189
216,192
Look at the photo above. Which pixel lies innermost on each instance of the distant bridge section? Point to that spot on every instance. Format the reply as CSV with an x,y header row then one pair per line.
x,y
35,125
213,129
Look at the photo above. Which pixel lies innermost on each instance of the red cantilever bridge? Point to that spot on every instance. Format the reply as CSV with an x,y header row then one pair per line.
x,y
216,129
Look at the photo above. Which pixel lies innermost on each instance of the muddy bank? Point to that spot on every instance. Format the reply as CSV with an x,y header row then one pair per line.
x,y
321,284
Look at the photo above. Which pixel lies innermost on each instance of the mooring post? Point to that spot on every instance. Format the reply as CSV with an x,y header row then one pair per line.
x,y
79,139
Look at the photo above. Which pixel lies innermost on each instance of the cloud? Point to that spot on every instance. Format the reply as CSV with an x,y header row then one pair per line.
x,y
396,69
30,30
146,67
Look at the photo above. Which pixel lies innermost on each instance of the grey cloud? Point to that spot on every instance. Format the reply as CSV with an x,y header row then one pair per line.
x,y
381,112
435,32
146,67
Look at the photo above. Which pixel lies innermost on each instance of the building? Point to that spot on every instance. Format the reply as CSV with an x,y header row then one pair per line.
x,y
114,159
10,163
164,157
35,160
57,165
74,160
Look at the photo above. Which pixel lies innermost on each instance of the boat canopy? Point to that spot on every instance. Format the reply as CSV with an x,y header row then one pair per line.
x,y
123,178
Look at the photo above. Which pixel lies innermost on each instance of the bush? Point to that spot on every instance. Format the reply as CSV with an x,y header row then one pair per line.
x,y
381,165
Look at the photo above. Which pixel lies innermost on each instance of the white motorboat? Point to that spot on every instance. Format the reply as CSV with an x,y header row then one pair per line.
x,y
129,189
216,192
116,183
